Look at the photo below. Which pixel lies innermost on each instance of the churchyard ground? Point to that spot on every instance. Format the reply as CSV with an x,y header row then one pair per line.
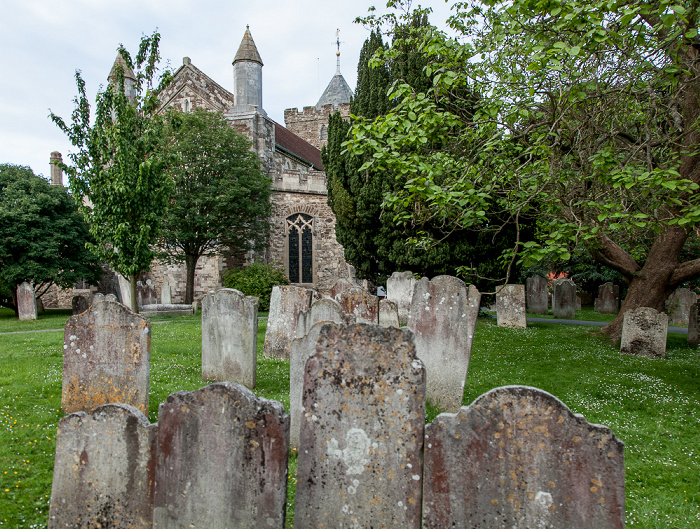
x,y
652,405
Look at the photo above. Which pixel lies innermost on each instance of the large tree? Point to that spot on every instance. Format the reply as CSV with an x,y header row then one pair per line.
x,y
117,175
42,236
221,199
589,109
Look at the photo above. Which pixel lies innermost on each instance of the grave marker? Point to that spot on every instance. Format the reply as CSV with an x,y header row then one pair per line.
x,y
644,332
564,299
608,301
26,302
340,286
679,303
693,337
388,313
324,309
399,289
79,304
166,295
286,302
146,293
510,306
361,304
537,295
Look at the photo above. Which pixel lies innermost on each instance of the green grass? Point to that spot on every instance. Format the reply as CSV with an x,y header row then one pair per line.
x,y
50,319
652,405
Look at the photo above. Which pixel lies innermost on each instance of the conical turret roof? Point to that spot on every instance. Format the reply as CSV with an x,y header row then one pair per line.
x,y
247,51
336,92
128,72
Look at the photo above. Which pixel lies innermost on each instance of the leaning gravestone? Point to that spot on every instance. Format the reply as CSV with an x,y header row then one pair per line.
x,y
79,304
644,332
124,290
564,299
361,304
399,289
608,301
517,457
510,306
679,303
103,469
537,294
324,309
106,358
26,302
166,295
229,337
388,313
222,460
443,317
362,430
286,302
693,338
340,286
146,293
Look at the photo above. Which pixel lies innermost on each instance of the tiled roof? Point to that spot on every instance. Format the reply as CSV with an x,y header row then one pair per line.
x,y
298,147
247,51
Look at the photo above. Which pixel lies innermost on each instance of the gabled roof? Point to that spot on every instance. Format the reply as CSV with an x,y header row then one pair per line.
x,y
294,145
247,51
336,92
217,96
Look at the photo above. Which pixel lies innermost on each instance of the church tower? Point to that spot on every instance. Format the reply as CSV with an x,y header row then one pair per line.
x,y
247,77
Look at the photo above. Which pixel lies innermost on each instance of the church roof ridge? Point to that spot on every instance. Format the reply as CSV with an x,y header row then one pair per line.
x,y
247,51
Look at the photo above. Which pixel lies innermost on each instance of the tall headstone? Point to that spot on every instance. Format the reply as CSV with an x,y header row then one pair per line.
x,y
510,306
146,292
106,358
324,309
644,332
361,304
286,302
693,338
222,460
608,301
124,290
399,289
537,294
517,457
443,317
26,302
104,469
166,295
564,299
679,303
388,313
229,337
362,430
79,304
340,286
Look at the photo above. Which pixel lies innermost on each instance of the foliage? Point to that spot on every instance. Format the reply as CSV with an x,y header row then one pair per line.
x,y
117,176
42,236
256,280
221,197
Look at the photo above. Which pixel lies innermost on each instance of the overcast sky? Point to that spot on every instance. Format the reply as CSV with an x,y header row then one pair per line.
x,y
45,41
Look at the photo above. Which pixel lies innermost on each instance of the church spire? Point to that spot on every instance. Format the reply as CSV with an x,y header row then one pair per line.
x,y
337,52
247,51
247,77
337,92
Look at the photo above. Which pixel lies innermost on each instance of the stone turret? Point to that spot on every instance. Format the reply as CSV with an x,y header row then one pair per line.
x,y
337,92
56,171
247,77
129,77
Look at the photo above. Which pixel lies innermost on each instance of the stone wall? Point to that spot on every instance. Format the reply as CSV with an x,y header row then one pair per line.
x,y
191,88
311,123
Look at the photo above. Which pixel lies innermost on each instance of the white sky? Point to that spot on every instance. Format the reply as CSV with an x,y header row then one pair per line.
x,y
45,41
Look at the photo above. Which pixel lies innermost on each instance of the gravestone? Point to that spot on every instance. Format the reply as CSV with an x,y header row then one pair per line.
x,y
26,302
166,295
388,313
79,304
106,358
222,460
644,332
517,457
564,299
362,430
39,306
340,286
195,307
693,337
510,306
229,337
286,302
111,297
608,301
537,294
103,469
361,304
124,290
399,289
146,293
679,303
324,309
443,317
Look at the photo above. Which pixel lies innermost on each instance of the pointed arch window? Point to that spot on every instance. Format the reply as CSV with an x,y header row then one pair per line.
x,y
300,263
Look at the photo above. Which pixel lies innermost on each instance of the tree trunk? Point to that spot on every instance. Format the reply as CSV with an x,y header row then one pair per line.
x,y
134,300
191,264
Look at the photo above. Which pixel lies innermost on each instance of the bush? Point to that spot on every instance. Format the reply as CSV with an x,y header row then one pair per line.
x,y
256,280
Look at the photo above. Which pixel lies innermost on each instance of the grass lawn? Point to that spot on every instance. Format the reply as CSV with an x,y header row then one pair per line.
x,y
652,405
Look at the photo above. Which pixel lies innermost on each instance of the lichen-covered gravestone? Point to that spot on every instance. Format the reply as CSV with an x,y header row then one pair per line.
x,y
443,317
286,302
324,309
388,313
361,304
608,301
229,337
26,302
222,460
104,469
679,303
564,299
644,332
693,337
79,304
517,457
510,306
537,295
399,289
106,358
362,430
340,286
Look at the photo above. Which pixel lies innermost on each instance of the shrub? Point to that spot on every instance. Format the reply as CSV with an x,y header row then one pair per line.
x,y
256,280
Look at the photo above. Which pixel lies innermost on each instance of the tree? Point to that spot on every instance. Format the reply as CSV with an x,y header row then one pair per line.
x,y
117,176
589,116
221,199
42,236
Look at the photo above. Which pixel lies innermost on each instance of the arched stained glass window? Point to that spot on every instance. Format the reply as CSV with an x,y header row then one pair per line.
x,y
300,245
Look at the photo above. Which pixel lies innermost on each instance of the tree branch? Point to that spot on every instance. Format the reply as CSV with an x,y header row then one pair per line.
x,y
685,272
612,255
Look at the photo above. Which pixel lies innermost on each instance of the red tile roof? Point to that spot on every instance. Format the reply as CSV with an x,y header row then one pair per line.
x,y
298,147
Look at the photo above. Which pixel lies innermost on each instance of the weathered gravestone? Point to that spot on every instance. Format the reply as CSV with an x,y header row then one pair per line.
x,y
286,302
644,332
362,430
340,286
564,299
361,304
103,470
39,306
388,313
79,304
166,295
26,302
537,295
443,317
693,335
608,301
399,289
146,293
222,460
325,309
510,306
110,297
124,290
106,358
517,457
679,303
229,337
